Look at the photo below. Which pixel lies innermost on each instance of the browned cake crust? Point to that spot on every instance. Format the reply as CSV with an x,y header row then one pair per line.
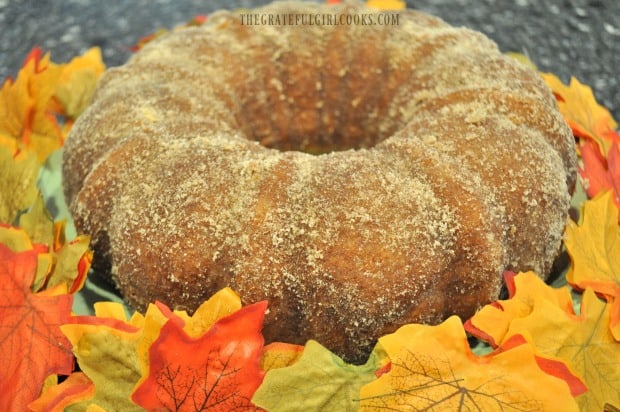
x,y
358,177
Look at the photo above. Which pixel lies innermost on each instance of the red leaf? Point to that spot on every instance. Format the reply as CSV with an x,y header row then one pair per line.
x,y
594,172
219,371
31,344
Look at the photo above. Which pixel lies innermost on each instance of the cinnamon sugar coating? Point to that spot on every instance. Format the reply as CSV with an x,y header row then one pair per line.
x,y
359,177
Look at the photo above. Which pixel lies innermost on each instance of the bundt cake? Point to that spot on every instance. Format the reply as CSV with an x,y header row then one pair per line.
x,y
356,176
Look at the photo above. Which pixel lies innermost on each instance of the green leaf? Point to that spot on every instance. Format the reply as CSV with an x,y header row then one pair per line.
x,y
319,381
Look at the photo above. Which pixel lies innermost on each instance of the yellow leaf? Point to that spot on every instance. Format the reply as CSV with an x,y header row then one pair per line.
x,y
279,355
433,368
585,342
16,239
77,82
386,4
67,263
24,118
18,178
38,223
584,115
491,323
594,247
221,304
112,310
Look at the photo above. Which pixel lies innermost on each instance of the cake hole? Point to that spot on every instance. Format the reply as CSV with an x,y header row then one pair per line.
x,y
320,133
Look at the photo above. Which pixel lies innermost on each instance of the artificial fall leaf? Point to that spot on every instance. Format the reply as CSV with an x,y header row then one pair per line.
x,y
18,182
598,172
17,240
106,352
38,222
77,83
614,315
31,344
491,323
585,342
221,304
279,355
108,345
433,368
584,115
386,4
218,371
594,247
25,121
318,381
71,263
57,263
76,387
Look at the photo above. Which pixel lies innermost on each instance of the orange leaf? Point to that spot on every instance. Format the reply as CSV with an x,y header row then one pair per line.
x,y
218,371
585,116
77,387
433,368
31,344
491,323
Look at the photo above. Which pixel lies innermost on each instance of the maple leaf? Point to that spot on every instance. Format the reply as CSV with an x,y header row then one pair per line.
x,y
25,121
18,178
31,344
279,355
585,342
76,83
433,368
594,247
105,349
318,381
38,222
492,322
599,173
223,303
114,351
58,263
71,261
77,387
386,4
217,371
18,241
584,115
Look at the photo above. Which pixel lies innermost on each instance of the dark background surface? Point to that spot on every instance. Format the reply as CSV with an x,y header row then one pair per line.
x,y
578,38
